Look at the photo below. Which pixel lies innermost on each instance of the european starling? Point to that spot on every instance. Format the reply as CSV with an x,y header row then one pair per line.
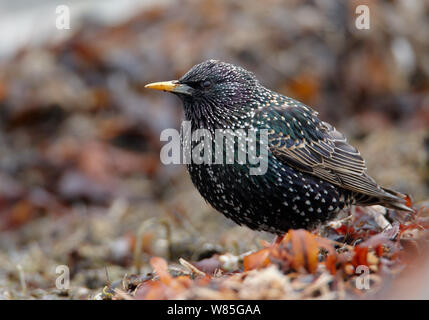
x,y
312,172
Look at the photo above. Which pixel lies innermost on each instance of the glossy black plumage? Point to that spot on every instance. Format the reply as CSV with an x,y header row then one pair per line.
x,y
313,173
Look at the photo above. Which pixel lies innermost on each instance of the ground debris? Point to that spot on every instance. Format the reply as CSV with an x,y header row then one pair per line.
x,y
302,265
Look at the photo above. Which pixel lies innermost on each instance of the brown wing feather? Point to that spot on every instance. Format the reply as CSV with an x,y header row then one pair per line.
x,y
328,156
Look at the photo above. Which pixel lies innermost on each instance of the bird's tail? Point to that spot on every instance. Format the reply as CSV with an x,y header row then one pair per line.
x,y
387,198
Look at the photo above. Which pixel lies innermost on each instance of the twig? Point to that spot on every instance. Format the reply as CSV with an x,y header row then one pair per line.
x,y
191,267
22,278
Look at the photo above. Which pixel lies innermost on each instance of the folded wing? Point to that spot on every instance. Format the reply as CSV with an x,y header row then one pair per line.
x,y
300,139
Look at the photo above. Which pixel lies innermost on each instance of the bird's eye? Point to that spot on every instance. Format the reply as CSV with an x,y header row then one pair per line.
x,y
206,84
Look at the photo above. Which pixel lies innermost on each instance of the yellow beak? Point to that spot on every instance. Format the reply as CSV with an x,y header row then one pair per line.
x,y
170,86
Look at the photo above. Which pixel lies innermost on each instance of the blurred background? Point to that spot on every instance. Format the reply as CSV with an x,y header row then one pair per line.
x,y
81,183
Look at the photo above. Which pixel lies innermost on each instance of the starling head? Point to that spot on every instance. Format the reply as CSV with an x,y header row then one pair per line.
x,y
211,88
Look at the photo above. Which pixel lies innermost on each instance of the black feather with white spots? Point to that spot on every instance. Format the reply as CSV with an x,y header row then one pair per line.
x,y
313,173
